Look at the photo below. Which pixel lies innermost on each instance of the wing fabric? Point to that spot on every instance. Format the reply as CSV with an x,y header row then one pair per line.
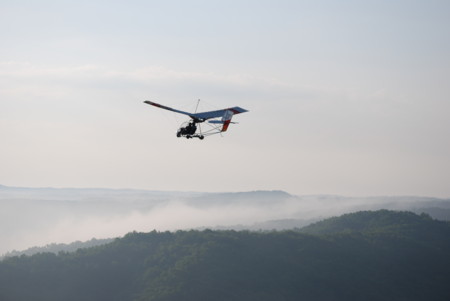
x,y
168,108
218,113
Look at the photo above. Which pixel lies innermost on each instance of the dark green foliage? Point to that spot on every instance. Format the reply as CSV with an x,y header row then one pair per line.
x,y
380,255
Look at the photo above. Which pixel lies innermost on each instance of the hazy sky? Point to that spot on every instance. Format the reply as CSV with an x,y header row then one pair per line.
x,y
345,97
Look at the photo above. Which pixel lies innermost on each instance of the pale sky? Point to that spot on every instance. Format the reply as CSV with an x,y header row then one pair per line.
x,y
345,97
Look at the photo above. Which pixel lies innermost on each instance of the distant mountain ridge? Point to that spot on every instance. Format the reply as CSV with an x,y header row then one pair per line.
x,y
42,216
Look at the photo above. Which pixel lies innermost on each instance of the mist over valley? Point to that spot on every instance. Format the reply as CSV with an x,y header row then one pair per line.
x,y
40,216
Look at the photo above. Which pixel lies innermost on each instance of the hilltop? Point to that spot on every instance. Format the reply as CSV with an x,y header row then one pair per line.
x,y
370,222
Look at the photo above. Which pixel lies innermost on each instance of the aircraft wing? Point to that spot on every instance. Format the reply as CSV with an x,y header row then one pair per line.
x,y
168,108
218,113
226,114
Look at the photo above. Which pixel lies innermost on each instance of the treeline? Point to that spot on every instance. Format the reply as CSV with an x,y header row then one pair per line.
x,y
380,255
56,248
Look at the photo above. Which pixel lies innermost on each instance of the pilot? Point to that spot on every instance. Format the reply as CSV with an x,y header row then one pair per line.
x,y
191,128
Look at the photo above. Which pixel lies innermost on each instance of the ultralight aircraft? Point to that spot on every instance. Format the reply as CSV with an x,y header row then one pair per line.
x,y
189,129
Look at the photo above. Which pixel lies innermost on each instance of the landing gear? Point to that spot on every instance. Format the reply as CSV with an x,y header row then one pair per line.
x,y
201,137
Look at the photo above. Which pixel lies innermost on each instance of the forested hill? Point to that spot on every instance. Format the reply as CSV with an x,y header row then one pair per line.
x,y
380,255
378,221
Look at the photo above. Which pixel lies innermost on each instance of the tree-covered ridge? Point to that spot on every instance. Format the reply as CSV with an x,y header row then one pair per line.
x,y
392,259
376,221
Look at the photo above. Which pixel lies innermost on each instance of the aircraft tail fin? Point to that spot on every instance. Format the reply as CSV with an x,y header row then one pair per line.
x,y
226,119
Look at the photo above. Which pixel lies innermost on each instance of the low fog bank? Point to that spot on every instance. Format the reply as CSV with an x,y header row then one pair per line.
x,y
39,216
